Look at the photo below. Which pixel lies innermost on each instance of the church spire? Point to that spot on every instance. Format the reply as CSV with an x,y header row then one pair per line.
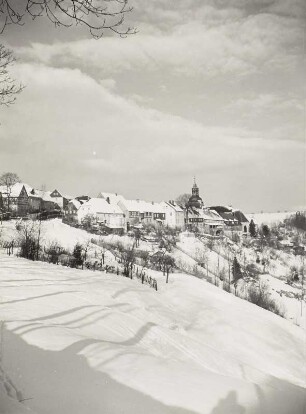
x,y
195,188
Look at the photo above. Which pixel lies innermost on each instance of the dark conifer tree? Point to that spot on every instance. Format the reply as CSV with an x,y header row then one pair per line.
x,y
236,269
252,229
77,254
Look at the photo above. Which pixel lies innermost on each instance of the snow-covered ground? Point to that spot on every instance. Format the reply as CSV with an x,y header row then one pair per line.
x,y
78,341
285,295
87,342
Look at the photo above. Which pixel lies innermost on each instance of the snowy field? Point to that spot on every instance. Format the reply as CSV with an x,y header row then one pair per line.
x,y
81,342
87,342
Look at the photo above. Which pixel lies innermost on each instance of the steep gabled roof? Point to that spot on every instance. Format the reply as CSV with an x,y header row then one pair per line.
x,y
77,204
57,194
15,189
240,216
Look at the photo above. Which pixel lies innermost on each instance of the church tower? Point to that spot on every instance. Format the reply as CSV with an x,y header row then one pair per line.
x,y
195,188
195,200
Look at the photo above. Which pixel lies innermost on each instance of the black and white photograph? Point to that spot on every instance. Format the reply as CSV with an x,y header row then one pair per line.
x,y
152,206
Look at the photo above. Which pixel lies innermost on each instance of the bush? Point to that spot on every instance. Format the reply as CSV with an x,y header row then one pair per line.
x,y
252,270
29,239
77,259
260,296
54,251
226,286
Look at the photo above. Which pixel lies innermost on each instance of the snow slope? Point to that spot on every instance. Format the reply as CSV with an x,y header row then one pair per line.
x,y
87,342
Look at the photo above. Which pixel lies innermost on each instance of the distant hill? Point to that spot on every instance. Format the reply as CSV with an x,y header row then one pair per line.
x,y
269,218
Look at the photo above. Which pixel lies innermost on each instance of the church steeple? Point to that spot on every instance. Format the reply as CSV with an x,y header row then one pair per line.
x,y
195,188
195,200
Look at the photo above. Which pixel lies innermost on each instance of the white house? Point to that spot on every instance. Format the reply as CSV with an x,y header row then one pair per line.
x,y
60,199
139,211
71,211
110,215
174,214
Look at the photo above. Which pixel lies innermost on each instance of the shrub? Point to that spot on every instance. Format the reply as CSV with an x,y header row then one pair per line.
x,y
260,296
29,239
252,270
226,286
54,250
77,254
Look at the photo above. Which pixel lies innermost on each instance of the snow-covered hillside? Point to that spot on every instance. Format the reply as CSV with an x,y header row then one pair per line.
x,y
78,341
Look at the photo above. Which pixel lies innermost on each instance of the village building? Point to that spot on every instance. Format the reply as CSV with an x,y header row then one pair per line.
x,y
201,219
243,221
141,212
71,211
108,216
15,200
174,214
41,202
235,221
60,199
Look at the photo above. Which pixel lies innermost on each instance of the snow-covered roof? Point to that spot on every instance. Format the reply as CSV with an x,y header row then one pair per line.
x,y
45,195
206,214
113,197
16,189
77,204
229,217
173,205
142,206
61,195
213,215
100,205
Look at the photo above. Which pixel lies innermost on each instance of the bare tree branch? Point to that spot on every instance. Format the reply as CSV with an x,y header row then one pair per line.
x,y
97,15
9,88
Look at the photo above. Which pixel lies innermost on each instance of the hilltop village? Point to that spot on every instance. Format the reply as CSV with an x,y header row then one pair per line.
x,y
113,213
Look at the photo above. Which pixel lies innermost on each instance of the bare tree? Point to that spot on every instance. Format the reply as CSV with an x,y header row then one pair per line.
x,y
183,199
8,180
27,239
97,16
9,88
168,264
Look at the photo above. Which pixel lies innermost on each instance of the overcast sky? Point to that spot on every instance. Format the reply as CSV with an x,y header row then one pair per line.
x,y
211,88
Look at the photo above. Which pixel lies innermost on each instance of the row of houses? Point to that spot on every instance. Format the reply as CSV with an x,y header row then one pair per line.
x,y
115,213
21,200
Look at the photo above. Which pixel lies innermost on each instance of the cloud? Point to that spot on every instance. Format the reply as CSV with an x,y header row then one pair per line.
x,y
129,114
81,134
257,104
213,43
281,116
